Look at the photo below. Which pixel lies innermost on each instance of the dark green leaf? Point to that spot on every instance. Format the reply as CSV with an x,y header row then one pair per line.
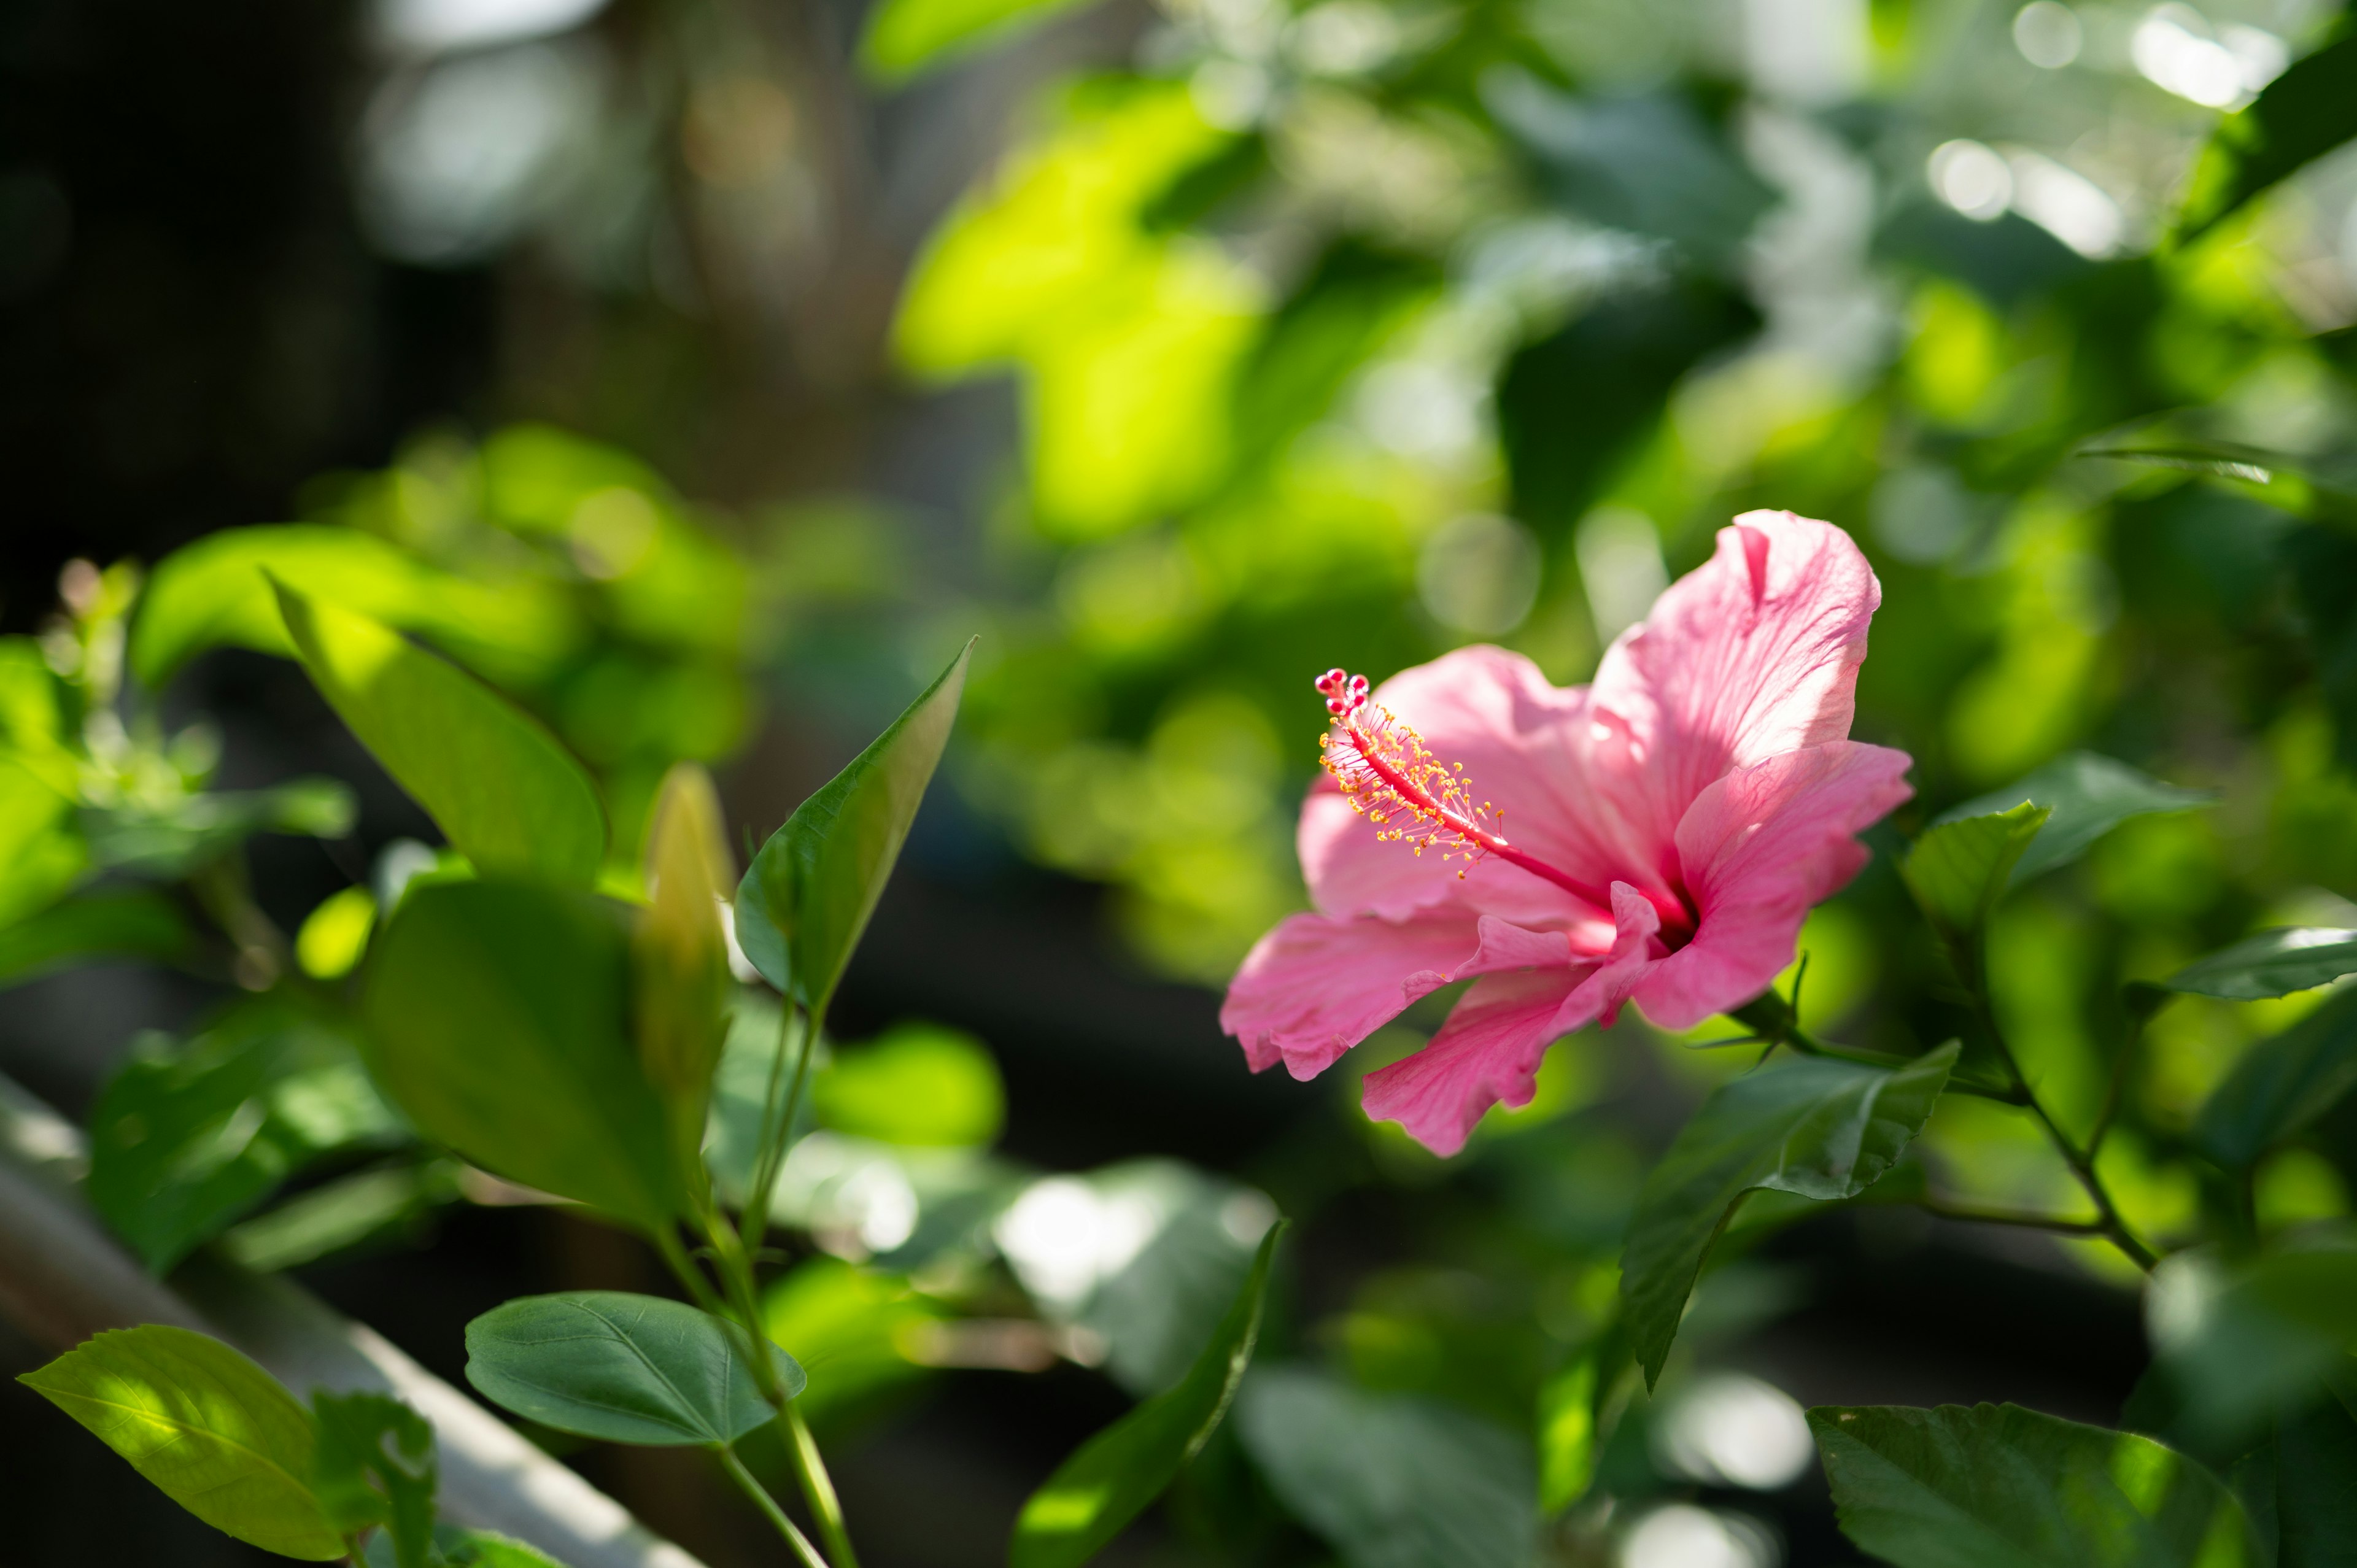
x,y
627,1369
2086,796
2281,1084
1109,1480
2000,1487
2242,1345
507,795
2272,963
215,1433
2304,114
2316,1485
373,1468
1816,1128
498,1018
1957,869
802,906
1391,1482
183,1143
113,924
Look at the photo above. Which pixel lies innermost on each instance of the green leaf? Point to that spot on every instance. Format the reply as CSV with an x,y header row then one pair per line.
x,y
852,1328
625,1368
1816,1128
802,906
907,36
374,1467
508,796
1957,869
41,854
215,1433
2245,1344
2316,1485
1110,1478
498,1018
1390,1482
183,1143
217,591
335,934
115,924
2000,1487
1567,1434
169,841
2281,1084
679,952
2272,963
386,1201
2086,796
489,1549
2303,115
917,1085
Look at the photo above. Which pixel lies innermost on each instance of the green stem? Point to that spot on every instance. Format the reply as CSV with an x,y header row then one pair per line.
x,y
818,1486
667,1243
778,1128
2116,1089
769,1506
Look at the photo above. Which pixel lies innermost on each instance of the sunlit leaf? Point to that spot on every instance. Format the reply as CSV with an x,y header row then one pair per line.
x,y
852,1329
1816,1128
906,37
119,923
1390,1482
373,1468
334,933
2303,115
801,907
498,1018
2272,963
1957,869
679,951
1567,1434
2281,1084
487,1548
625,1368
2085,796
41,853
215,1433
1110,1478
508,796
920,1085
1970,1487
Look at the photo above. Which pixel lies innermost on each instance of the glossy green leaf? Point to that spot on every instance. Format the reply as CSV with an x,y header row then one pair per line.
x,y
906,37
1816,1128
624,1368
507,795
2000,1487
802,906
119,923
2086,796
1390,1482
183,1143
217,591
917,1085
172,841
215,1433
1110,1478
2272,963
373,1468
1957,869
2303,115
497,1017
2281,1084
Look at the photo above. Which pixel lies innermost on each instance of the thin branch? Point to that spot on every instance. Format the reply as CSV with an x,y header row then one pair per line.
x,y
768,1507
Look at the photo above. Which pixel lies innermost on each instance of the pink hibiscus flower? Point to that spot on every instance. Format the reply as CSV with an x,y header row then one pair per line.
x,y
1656,837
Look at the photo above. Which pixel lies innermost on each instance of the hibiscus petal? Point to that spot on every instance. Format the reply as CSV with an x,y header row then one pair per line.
x,y
1752,654
1316,986
1760,847
1488,1053
1637,948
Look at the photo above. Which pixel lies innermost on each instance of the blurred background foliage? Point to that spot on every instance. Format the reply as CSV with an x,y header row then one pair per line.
x,y
703,374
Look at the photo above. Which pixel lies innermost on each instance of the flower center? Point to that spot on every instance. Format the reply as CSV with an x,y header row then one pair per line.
x,y
1413,798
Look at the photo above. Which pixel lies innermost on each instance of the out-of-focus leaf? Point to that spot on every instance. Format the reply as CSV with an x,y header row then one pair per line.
x,y
41,854
1110,1478
1957,868
920,1085
32,716
906,37
215,592
487,1548
803,904
2272,963
374,1467
1567,1434
2303,115
679,952
170,842
182,1143
508,796
340,1214
2246,1343
1390,1482
1971,1488
2316,1485
2085,797
2281,1084
1816,1128
624,1368
334,933
215,1433
852,1329
134,922
498,1018
2321,562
